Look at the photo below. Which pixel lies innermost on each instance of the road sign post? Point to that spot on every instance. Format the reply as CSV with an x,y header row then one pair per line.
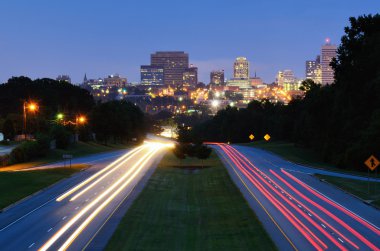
x,y
372,163
67,157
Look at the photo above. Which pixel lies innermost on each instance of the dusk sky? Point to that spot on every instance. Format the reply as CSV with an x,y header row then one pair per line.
x,y
46,38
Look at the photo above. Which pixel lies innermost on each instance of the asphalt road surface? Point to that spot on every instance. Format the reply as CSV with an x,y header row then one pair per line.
x,y
299,211
67,215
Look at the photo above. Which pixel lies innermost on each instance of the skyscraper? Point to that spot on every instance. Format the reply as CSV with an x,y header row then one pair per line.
x,y
328,53
174,63
190,76
152,75
241,68
217,77
313,70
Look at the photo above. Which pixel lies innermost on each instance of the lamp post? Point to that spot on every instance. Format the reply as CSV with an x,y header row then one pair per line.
x,y
31,107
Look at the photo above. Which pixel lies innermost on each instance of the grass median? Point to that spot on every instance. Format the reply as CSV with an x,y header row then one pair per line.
x,y
356,187
187,207
15,186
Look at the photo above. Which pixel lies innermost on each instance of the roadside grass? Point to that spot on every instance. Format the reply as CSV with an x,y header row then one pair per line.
x,y
356,187
15,186
77,150
299,155
185,206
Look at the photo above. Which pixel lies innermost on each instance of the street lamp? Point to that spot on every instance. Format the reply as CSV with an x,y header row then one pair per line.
x,y
31,107
81,120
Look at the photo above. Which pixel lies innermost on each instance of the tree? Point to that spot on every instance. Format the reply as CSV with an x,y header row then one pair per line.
x,y
118,120
203,152
61,136
8,130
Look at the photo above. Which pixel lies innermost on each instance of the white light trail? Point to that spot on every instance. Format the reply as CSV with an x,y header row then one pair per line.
x,y
105,175
78,231
74,189
61,231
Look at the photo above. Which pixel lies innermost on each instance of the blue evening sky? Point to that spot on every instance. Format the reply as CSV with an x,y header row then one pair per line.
x,y
45,38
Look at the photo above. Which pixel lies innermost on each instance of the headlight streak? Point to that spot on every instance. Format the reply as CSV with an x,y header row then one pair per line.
x,y
61,231
74,189
105,175
89,219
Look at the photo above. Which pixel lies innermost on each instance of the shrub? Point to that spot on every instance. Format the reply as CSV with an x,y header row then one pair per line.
x,y
61,136
26,151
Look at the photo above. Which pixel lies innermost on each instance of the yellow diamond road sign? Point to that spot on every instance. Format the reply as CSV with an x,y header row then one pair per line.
x,y
267,137
251,137
372,162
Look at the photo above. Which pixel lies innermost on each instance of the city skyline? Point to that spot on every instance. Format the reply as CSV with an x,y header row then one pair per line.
x,y
100,40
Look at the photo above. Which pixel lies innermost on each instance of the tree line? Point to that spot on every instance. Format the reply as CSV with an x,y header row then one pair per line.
x,y
59,105
340,121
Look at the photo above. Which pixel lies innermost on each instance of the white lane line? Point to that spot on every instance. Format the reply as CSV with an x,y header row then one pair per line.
x,y
299,205
87,200
31,245
309,214
49,229
64,218
340,240
324,195
323,226
96,193
76,208
22,217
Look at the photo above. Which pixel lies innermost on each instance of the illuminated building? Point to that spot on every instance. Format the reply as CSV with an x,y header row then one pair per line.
x,y
328,53
115,80
241,68
241,83
152,75
256,81
285,76
292,86
314,70
174,63
190,77
217,77
65,78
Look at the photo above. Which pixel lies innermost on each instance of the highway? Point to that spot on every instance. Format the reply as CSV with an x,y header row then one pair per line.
x,y
69,214
299,211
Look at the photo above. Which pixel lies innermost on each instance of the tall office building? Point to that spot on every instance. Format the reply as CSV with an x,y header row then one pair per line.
x,y
285,77
328,53
241,68
174,63
217,77
190,76
152,75
313,70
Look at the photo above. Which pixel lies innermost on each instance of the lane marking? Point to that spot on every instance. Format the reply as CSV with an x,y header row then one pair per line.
x,y
31,245
76,208
323,225
22,217
49,229
340,240
64,218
